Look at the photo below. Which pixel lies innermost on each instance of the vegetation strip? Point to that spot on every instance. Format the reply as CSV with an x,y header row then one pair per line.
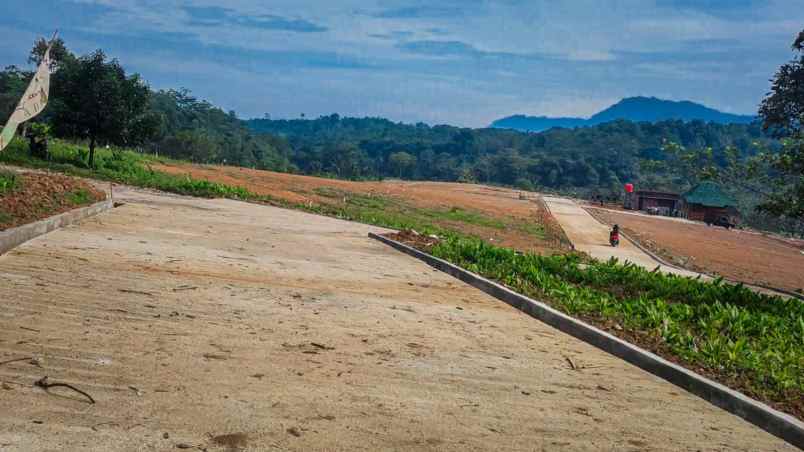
x,y
780,424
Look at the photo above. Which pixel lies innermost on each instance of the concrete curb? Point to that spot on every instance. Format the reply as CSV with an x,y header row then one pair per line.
x,y
775,422
12,238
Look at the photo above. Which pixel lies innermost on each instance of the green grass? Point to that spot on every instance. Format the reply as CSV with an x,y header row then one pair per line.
x,y
9,182
397,214
78,197
123,166
752,339
464,216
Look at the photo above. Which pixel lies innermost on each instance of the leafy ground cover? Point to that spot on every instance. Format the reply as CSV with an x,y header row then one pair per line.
x,y
748,341
29,197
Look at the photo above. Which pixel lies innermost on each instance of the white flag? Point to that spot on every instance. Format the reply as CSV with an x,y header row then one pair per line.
x,y
32,102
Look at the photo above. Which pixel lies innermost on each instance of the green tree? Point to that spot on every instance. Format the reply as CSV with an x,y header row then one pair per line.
x,y
98,102
782,113
190,145
13,82
59,54
402,162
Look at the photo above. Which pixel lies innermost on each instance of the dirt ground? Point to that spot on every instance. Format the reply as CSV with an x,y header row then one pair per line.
x,y
40,195
220,325
745,256
495,202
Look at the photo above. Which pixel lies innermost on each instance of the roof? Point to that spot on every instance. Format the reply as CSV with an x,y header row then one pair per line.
x,y
709,194
657,194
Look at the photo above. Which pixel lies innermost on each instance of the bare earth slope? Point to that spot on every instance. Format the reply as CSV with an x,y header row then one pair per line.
x,y
221,325
737,255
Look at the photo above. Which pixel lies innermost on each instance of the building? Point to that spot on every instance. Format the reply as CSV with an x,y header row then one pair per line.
x,y
708,203
656,202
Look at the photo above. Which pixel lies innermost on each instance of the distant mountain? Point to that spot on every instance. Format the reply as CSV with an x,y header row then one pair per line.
x,y
636,109
537,123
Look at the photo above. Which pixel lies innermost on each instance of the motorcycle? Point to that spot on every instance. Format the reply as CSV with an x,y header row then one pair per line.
x,y
614,236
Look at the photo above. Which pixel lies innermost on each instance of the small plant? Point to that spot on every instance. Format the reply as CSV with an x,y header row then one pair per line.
x,y
79,197
9,182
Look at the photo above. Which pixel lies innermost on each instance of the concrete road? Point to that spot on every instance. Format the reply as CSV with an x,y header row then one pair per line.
x,y
220,325
592,237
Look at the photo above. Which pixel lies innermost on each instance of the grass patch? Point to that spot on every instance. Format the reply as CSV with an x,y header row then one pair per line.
x,y
123,166
463,216
79,196
9,182
398,214
750,341
534,229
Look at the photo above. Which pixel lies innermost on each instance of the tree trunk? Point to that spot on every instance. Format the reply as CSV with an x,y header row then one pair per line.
x,y
31,145
92,152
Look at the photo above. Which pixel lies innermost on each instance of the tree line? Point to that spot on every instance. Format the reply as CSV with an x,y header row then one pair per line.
x,y
600,158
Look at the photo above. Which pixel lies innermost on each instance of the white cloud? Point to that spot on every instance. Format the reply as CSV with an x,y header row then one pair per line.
x,y
484,59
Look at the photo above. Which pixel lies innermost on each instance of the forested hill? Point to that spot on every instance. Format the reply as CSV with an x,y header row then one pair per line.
x,y
637,109
594,158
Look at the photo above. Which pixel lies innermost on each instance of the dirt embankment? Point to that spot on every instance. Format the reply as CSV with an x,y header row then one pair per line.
x,y
495,202
737,255
32,196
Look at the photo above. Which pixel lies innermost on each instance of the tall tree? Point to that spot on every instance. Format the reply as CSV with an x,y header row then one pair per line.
x,y
782,112
98,102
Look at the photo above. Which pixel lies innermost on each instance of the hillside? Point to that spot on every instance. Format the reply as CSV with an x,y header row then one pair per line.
x,y
601,157
637,109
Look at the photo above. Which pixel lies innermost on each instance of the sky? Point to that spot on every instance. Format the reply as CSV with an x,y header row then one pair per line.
x,y
459,62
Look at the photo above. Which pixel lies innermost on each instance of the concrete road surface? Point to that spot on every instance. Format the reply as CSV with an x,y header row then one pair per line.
x,y
592,237
220,325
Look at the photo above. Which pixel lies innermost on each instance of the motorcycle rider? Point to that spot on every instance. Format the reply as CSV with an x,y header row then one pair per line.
x,y
614,235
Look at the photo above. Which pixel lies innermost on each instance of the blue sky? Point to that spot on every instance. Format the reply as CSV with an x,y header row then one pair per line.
x,y
462,62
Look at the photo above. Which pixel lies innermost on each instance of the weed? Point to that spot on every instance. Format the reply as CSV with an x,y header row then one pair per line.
x,y
78,197
8,182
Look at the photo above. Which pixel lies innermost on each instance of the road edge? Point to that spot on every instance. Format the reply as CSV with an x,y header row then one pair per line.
x,y
14,237
763,416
